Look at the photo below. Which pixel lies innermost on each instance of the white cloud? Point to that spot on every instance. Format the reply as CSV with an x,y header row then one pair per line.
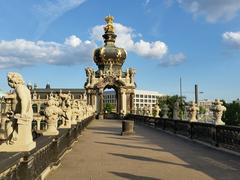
x,y
126,39
155,49
48,11
20,52
212,10
73,41
232,38
173,59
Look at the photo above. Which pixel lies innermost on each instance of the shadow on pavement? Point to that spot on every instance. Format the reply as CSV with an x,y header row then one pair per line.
x,y
142,158
129,146
132,177
214,163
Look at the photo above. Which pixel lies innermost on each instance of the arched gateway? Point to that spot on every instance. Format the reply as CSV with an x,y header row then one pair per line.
x,y
109,60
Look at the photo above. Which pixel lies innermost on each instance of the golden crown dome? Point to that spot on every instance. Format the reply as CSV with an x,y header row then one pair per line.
x,y
109,53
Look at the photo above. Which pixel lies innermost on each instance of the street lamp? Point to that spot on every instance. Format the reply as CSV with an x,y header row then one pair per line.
x,y
197,93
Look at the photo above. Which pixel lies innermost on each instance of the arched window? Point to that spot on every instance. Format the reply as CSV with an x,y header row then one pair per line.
x,y
35,108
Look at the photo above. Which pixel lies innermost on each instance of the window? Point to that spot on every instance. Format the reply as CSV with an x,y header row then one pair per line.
x,y
149,96
141,96
141,100
137,95
137,100
145,96
35,108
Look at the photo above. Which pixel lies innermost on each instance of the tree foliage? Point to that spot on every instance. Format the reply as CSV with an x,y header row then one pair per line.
x,y
232,114
169,101
108,108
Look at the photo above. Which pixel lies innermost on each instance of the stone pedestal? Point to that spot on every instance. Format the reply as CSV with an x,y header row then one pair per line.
x,y
73,121
24,141
51,130
66,124
100,116
127,128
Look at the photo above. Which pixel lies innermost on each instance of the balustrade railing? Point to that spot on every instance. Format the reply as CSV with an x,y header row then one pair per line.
x,y
49,150
224,136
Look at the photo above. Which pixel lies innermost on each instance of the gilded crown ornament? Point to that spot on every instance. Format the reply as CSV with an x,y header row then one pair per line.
x,y
109,53
109,27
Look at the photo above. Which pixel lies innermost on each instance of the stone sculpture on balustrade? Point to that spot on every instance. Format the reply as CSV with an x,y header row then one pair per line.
x,y
218,110
66,107
176,110
138,111
193,110
156,110
17,121
165,110
52,113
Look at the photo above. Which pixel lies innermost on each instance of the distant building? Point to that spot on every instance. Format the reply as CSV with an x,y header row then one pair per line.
x,y
141,98
41,95
206,103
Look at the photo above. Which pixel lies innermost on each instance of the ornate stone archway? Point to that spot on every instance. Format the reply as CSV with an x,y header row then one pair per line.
x,y
109,60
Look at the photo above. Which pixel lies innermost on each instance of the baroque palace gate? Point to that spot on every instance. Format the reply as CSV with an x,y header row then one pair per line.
x,y
109,60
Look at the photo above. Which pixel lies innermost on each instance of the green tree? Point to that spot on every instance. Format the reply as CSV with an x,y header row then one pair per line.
x,y
232,114
202,110
108,108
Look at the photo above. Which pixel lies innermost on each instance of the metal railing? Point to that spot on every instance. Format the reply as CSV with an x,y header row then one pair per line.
x,y
49,150
227,137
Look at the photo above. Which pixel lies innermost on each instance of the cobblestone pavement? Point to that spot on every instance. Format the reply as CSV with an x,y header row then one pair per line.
x,y
103,154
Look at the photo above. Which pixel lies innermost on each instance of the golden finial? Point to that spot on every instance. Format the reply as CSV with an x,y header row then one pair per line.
x,y
109,27
109,19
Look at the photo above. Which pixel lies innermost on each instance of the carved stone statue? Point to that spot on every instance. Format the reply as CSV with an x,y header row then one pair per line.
x,y
218,110
90,76
156,110
75,112
35,96
67,113
132,73
138,110
22,116
52,113
127,78
176,110
165,110
193,110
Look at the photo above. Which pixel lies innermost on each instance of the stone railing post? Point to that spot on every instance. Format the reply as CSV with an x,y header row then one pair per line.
x,y
26,167
56,159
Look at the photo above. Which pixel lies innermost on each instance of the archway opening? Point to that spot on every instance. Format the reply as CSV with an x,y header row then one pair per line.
x,y
110,100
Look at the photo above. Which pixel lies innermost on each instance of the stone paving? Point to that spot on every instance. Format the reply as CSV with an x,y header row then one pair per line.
x,y
102,154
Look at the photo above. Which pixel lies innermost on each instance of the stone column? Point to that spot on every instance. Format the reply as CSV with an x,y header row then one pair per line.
x,y
38,107
123,102
132,103
101,112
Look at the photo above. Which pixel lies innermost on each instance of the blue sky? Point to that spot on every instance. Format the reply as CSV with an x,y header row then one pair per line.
x,y
198,40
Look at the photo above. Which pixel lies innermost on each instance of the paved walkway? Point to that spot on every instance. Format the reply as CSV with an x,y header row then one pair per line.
x,y
102,154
